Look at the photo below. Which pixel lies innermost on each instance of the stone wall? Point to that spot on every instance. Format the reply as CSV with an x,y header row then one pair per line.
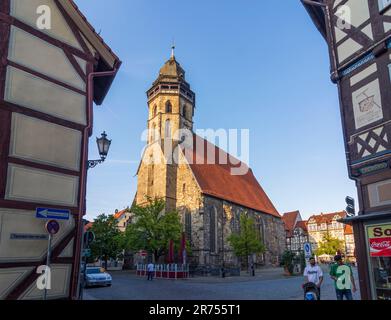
x,y
228,219
179,188
189,199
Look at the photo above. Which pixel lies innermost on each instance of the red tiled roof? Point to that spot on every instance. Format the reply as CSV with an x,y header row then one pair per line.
x,y
216,179
119,214
88,226
302,224
289,219
327,217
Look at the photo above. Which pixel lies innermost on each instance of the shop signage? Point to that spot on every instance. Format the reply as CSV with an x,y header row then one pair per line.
x,y
379,238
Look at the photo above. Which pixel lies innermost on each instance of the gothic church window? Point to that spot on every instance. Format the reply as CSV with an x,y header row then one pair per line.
x,y
151,173
167,130
261,231
154,111
153,134
213,230
168,107
189,112
188,225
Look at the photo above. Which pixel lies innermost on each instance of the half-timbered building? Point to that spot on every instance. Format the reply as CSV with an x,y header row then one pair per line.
x,y
359,36
51,73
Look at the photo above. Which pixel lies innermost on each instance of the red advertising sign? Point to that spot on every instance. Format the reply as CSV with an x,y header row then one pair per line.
x,y
379,240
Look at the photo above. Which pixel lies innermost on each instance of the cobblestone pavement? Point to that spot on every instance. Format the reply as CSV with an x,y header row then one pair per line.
x,y
268,284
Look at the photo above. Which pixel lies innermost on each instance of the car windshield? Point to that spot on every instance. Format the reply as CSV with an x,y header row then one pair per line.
x,y
93,270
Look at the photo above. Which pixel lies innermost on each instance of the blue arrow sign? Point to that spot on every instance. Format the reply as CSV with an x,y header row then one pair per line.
x,y
46,213
307,250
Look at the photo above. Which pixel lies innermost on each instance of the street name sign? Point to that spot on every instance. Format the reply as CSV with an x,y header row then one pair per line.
x,y
28,236
58,214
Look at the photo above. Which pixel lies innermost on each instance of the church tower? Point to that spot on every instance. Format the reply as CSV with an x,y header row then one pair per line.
x,y
171,105
171,102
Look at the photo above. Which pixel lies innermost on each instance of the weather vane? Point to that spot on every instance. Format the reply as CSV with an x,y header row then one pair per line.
x,y
173,49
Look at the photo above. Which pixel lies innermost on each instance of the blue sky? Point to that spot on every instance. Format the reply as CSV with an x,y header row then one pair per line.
x,y
257,65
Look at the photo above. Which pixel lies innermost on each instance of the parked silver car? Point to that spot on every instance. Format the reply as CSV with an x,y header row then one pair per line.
x,y
95,276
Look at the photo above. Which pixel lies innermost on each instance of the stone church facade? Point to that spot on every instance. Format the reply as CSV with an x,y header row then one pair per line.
x,y
210,199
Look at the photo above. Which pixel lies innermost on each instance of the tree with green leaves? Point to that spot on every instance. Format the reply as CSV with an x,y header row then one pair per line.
x,y
329,245
247,241
288,261
108,239
153,228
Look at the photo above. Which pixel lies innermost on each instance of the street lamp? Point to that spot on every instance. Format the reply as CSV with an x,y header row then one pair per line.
x,y
103,148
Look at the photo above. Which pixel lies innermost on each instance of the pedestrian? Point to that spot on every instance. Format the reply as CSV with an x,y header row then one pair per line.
x,y
342,275
150,270
313,274
252,270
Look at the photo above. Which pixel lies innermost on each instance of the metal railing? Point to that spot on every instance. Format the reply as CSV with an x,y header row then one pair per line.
x,y
165,271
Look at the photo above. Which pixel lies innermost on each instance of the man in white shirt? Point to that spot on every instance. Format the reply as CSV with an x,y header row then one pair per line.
x,y
150,270
313,273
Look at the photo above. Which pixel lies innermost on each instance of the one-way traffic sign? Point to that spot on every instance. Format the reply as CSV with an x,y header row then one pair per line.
x,y
58,214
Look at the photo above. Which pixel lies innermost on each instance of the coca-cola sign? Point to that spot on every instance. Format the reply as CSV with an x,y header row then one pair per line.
x,y
380,240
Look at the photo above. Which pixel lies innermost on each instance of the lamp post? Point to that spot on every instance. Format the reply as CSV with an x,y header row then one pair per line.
x,y
103,148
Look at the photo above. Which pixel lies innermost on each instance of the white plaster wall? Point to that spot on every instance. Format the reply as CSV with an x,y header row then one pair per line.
x,y
36,54
44,142
38,94
26,11
14,221
41,186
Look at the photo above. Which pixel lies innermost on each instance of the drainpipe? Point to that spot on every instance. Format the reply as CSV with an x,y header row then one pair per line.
x,y
75,286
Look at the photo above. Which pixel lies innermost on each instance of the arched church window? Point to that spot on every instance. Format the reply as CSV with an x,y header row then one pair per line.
x,y
168,107
189,112
154,110
182,111
167,130
151,174
213,230
261,230
188,225
153,134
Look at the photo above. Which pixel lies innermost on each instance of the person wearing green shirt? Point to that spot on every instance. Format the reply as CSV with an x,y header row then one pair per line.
x,y
342,275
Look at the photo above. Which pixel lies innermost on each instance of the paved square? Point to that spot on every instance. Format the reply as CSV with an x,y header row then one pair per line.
x,y
269,284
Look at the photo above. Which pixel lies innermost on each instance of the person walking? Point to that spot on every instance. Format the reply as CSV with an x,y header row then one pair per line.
x,y
313,274
342,275
150,270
